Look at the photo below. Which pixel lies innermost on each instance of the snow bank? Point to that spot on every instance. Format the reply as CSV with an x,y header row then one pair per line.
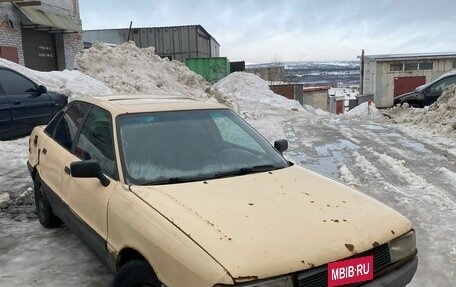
x,y
316,111
365,110
128,69
69,83
247,91
441,115
251,98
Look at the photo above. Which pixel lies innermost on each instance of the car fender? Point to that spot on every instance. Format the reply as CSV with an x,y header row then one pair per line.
x,y
134,224
410,97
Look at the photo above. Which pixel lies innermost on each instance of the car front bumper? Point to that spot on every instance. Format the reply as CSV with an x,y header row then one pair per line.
x,y
396,278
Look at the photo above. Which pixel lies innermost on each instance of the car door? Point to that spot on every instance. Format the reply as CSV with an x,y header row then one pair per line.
x,y
5,116
61,133
437,88
88,199
29,107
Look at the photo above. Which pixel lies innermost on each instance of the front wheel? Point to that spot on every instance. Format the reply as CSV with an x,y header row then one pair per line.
x,y
43,209
136,273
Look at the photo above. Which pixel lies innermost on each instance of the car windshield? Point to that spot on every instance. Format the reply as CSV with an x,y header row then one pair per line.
x,y
182,146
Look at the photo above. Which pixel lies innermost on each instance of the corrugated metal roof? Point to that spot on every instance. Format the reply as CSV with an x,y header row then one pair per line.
x,y
46,19
161,27
413,56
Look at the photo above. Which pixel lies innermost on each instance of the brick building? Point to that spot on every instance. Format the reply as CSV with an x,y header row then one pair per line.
x,y
42,35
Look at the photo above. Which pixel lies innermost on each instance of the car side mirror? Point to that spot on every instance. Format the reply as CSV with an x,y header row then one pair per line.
x,y
88,169
281,145
42,89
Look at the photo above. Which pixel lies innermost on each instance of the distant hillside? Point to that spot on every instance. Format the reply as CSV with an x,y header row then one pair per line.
x,y
334,74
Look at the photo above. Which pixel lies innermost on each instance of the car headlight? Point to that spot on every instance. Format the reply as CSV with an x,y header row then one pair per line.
x,y
403,246
279,282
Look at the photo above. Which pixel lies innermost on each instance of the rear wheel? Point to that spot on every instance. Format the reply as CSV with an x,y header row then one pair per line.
x,y
43,208
137,273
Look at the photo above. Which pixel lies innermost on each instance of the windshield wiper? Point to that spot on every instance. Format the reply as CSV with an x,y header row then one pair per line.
x,y
173,180
162,181
246,170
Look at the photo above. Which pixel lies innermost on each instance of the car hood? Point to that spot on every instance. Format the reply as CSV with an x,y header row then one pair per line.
x,y
266,224
410,95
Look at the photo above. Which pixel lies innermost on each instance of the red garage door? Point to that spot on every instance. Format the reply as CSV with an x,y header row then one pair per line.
x,y
9,53
404,85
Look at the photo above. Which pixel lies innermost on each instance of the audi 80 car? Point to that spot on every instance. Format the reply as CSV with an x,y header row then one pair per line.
x,y
171,191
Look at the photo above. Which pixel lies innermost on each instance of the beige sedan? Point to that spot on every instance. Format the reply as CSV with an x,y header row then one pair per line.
x,y
175,192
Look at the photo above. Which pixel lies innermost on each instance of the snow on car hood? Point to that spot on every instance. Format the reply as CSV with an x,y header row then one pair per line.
x,y
266,224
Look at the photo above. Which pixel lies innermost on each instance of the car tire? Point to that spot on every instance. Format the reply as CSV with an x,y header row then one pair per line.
x,y
43,208
137,273
415,105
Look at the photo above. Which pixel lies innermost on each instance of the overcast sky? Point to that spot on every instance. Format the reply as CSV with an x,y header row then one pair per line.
x,y
291,30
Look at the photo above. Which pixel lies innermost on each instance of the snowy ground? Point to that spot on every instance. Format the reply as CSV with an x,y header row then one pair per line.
x,y
409,162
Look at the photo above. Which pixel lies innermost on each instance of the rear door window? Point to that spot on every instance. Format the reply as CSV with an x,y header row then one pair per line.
x,y
64,131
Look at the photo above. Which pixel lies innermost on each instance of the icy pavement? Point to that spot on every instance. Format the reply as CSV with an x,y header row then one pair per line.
x,y
413,172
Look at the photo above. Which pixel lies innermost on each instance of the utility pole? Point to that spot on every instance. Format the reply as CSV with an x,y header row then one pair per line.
x,y
129,31
361,84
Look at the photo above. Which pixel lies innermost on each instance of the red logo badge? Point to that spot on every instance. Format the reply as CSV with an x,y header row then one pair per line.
x,y
350,271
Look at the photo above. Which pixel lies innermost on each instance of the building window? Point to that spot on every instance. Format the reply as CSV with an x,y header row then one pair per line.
x,y
426,65
454,64
409,66
396,67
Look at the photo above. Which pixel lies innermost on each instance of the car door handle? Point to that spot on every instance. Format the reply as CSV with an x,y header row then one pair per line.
x,y
67,170
16,103
45,151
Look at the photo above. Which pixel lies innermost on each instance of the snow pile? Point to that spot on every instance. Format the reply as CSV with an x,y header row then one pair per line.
x,y
364,110
440,116
128,69
69,83
251,98
248,92
316,111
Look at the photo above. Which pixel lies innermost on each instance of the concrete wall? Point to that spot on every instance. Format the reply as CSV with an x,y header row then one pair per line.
x,y
316,98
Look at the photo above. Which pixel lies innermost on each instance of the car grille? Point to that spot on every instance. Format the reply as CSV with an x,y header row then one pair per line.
x,y
318,277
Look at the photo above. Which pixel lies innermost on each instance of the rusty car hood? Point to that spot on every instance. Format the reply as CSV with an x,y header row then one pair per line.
x,y
271,223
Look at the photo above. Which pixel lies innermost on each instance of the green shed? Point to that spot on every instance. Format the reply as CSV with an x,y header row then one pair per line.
x,y
212,69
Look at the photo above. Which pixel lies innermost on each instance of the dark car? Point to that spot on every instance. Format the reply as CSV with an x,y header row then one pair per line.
x,y
427,94
24,104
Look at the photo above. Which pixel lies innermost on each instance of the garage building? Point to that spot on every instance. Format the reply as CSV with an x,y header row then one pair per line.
x,y
175,42
42,35
387,76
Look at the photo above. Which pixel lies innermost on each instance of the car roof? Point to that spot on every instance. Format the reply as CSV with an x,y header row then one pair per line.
x,y
447,74
123,104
